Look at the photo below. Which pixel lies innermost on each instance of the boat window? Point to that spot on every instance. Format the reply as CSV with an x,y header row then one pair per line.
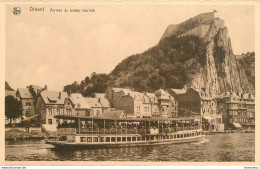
x,y
95,139
118,139
152,137
175,136
128,138
107,139
178,136
139,138
133,138
101,139
184,135
123,138
89,139
171,136
82,139
147,138
113,139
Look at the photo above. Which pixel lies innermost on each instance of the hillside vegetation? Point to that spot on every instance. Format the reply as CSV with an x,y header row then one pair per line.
x,y
167,65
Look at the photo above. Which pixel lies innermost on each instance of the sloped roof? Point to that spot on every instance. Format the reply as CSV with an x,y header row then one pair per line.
x,y
79,101
141,96
99,95
126,91
104,102
25,93
179,91
93,102
52,97
152,97
114,114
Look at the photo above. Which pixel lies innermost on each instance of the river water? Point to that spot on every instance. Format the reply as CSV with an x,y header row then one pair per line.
x,y
220,147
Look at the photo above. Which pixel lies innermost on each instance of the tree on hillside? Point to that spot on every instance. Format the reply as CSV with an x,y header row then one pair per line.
x,y
73,88
13,108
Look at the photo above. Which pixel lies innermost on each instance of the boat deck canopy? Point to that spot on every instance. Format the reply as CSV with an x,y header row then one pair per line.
x,y
121,119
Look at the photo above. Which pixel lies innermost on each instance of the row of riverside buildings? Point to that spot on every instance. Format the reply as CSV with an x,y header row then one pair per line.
x,y
225,111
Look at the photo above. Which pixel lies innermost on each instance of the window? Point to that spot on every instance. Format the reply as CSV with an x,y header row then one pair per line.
x,y
138,108
139,138
128,138
87,113
133,138
49,121
89,139
69,112
123,138
118,139
58,111
113,139
28,103
101,139
107,139
98,113
50,111
82,139
27,113
95,139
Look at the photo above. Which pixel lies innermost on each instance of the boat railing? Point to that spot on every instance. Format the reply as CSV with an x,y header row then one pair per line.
x,y
141,131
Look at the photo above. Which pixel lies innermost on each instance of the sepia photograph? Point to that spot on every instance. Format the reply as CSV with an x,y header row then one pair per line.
x,y
130,82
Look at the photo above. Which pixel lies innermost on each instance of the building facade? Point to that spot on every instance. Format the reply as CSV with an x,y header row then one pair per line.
x,y
195,102
27,101
143,105
237,108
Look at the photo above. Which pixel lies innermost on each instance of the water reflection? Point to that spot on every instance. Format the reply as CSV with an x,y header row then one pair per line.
x,y
220,147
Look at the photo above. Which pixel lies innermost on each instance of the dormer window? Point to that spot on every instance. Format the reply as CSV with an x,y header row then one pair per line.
x,y
28,103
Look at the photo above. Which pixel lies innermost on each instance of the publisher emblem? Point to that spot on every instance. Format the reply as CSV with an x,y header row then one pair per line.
x,y
16,10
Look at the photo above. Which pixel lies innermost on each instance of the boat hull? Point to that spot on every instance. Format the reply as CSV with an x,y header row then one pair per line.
x,y
64,144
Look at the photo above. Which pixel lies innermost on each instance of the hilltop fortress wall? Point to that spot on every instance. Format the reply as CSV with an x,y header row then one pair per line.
x,y
197,25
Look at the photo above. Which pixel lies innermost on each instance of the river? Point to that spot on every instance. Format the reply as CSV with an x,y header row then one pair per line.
x,y
220,147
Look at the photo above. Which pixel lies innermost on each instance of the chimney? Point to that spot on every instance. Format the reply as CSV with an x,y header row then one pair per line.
x,y
45,87
59,95
99,99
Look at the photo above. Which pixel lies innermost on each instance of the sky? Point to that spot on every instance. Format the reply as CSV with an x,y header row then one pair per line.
x,y
56,49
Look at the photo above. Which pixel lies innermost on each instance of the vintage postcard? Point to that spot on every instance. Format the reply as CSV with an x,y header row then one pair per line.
x,y
129,83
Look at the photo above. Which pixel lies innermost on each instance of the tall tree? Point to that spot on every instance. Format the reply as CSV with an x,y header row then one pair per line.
x,y
13,108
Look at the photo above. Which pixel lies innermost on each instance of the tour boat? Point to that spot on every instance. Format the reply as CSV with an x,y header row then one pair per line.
x,y
100,132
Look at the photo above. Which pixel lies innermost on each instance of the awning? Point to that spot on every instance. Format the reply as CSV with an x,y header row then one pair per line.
x,y
237,125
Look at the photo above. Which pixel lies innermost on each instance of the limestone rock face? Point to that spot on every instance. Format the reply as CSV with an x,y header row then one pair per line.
x,y
222,71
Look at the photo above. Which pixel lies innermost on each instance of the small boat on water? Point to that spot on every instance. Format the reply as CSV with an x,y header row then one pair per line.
x,y
99,132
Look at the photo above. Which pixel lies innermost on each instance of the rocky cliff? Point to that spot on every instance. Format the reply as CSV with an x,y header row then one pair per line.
x,y
222,71
196,53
